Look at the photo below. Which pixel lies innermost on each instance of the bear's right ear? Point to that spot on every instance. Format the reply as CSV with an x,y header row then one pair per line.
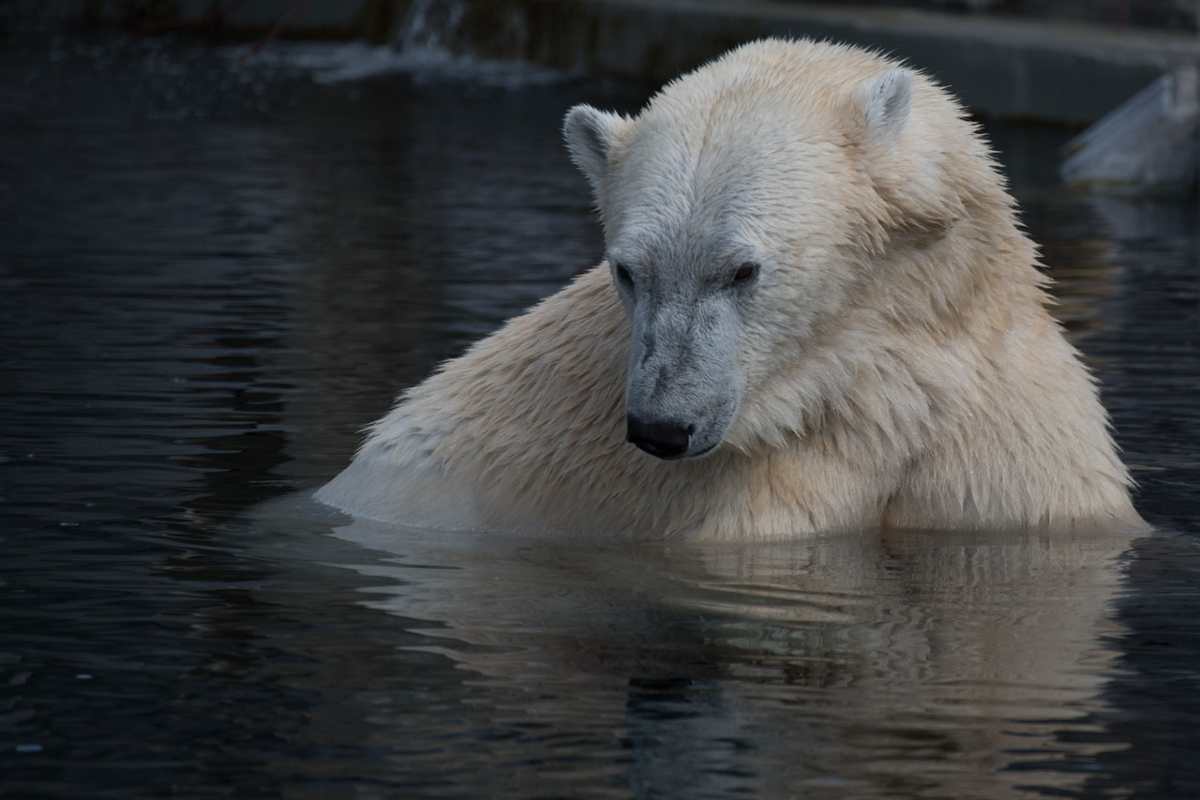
x,y
590,135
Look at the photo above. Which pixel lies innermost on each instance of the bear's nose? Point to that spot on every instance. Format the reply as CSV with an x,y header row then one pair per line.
x,y
666,440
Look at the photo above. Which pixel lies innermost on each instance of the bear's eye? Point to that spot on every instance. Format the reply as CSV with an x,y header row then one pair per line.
x,y
747,272
623,276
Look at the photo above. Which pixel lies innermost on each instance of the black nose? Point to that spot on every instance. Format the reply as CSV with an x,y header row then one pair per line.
x,y
663,439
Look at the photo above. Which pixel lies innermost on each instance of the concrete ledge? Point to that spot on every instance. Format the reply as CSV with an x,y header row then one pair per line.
x,y
1011,67
1057,71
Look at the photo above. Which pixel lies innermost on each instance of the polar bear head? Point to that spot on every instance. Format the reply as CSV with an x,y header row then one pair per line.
x,y
746,209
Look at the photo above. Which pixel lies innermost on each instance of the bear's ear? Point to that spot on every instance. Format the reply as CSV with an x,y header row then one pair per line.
x,y
886,102
590,135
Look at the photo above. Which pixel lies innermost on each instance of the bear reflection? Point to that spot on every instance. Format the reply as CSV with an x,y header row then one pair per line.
x,y
931,664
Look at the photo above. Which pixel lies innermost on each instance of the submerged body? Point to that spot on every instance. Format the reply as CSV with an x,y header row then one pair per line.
x,y
816,297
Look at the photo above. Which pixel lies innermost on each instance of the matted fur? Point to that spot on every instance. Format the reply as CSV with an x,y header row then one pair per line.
x,y
900,367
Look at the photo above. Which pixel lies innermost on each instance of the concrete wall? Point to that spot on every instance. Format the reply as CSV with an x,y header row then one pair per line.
x,y
1006,67
1177,16
1010,66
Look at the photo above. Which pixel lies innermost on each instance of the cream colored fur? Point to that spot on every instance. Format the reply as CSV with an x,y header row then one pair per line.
x,y
901,367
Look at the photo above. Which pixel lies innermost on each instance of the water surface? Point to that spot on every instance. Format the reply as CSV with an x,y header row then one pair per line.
x,y
214,272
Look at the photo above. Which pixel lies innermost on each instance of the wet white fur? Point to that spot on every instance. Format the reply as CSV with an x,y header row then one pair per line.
x,y
894,365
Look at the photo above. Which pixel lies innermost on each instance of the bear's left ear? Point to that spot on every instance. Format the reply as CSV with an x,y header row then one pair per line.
x,y
886,103
591,135
903,156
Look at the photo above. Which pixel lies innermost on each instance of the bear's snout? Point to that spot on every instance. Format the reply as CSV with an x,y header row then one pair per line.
x,y
666,440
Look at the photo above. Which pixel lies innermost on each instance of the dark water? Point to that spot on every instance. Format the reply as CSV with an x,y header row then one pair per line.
x,y
212,274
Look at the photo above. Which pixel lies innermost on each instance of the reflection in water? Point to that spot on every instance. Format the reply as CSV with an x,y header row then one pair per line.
x,y
211,276
928,664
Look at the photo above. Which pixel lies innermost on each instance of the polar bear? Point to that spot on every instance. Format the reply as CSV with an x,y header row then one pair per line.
x,y
817,311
